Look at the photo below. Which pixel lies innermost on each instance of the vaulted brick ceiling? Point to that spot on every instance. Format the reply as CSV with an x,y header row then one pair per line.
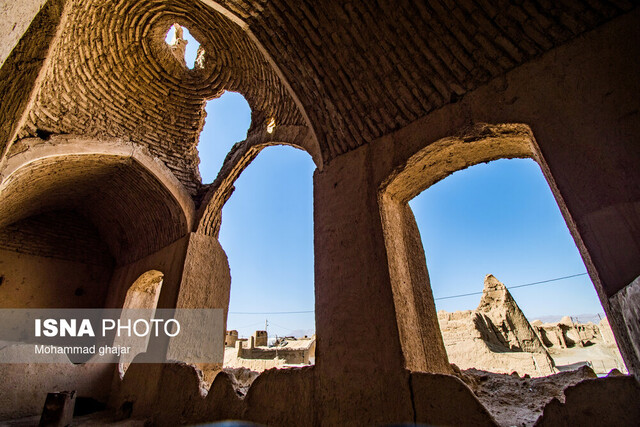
x,y
112,74
365,68
359,69
133,223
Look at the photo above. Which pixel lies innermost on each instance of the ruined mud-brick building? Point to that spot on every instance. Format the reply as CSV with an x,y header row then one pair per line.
x,y
497,337
254,353
99,182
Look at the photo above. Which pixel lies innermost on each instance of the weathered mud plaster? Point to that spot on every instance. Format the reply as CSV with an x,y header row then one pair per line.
x,y
206,278
627,303
596,402
206,283
36,281
354,301
438,399
434,396
25,386
18,17
168,260
22,61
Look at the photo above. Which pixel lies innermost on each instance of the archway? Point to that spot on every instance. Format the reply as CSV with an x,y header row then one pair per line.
x,y
267,230
537,312
418,326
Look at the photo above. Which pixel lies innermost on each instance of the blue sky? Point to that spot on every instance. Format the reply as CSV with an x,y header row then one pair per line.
x,y
499,218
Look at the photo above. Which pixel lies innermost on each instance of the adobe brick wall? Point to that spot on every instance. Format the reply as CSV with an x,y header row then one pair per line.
x,y
364,69
32,281
576,101
379,81
59,234
21,69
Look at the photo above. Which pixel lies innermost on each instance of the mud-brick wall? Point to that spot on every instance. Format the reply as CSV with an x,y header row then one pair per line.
x,y
291,356
53,260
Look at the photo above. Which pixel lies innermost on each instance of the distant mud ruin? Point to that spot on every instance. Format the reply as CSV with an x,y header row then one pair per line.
x,y
497,337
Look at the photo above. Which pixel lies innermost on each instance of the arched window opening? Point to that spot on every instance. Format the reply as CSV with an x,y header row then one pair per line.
x,y
142,298
185,47
227,121
500,220
267,233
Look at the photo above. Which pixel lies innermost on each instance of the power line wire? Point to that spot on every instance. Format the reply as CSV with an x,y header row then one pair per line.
x,y
514,287
283,327
246,326
437,299
272,312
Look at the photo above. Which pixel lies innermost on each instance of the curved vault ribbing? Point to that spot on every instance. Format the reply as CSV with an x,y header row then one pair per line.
x,y
112,75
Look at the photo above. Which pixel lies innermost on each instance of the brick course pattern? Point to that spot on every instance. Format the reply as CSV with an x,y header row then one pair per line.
x,y
113,75
360,70
363,69
133,212
61,234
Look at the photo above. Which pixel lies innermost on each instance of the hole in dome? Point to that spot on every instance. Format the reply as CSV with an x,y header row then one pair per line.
x,y
185,47
271,125
228,119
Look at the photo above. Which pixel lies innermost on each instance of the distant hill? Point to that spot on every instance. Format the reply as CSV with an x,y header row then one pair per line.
x,y
578,318
299,333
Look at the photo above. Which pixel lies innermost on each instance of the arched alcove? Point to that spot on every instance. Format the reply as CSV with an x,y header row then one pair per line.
x,y
66,224
144,292
140,303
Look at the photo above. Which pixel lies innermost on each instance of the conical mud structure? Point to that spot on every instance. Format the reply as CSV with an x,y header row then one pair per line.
x,y
495,337
505,319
